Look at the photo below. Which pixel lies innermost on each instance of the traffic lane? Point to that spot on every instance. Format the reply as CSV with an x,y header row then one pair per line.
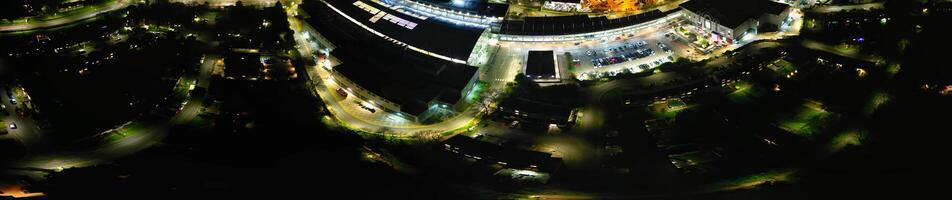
x,y
64,20
127,146
205,69
27,133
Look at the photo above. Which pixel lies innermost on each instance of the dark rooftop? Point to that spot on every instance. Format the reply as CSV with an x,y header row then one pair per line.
x,y
397,74
541,65
404,77
563,25
513,156
243,65
537,111
732,13
430,35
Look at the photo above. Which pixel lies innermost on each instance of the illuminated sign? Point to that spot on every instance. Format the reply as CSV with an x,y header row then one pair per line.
x,y
378,14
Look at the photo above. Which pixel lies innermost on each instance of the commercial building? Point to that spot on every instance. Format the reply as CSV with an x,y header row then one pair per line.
x,y
581,27
396,62
538,113
565,6
732,20
542,66
416,32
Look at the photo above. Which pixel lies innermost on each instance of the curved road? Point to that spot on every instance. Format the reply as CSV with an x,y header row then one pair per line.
x,y
120,4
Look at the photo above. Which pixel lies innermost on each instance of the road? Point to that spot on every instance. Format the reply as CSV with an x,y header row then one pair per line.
x,y
830,9
27,131
120,4
194,105
849,53
124,147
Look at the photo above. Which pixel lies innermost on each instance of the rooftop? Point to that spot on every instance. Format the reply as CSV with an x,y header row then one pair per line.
x,y
511,156
244,65
427,34
404,77
575,24
541,64
733,13
537,111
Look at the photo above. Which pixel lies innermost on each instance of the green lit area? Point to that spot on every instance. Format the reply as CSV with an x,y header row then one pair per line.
x,y
125,131
847,139
808,119
745,92
876,100
755,180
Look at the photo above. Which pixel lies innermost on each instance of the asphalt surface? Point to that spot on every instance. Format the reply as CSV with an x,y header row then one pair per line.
x,y
27,131
120,4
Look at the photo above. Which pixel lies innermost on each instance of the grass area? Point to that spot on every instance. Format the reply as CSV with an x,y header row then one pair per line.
x,y
845,139
125,131
702,41
675,103
668,109
877,99
329,122
477,91
3,126
754,180
669,113
745,92
578,118
448,133
807,120
182,85
893,68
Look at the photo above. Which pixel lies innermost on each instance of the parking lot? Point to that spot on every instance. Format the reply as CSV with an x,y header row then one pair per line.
x,y
605,57
627,54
